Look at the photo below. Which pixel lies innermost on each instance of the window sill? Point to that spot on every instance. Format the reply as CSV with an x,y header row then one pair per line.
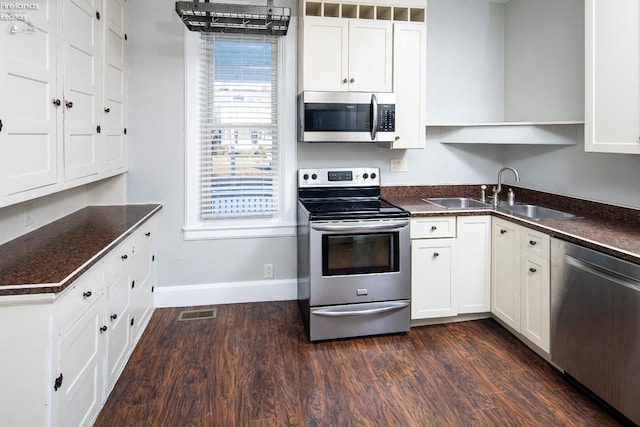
x,y
208,232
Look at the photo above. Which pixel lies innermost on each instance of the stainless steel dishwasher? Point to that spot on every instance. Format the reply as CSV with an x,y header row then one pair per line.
x,y
595,323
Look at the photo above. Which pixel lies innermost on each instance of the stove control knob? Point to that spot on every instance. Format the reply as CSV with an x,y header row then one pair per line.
x,y
373,176
314,176
305,176
365,175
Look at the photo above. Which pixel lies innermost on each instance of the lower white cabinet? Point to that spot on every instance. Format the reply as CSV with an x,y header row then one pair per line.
x,y
68,350
450,274
521,277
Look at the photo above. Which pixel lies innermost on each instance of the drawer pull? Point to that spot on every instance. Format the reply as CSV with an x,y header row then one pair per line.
x,y
503,231
533,270
124,257
532,242
436,254
114,316
434,228
87,294
103,329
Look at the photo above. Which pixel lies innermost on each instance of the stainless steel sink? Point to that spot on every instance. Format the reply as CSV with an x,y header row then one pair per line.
x,y
458,202
536,212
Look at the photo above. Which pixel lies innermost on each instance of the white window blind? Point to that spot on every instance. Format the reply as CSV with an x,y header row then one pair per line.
x,y
238,126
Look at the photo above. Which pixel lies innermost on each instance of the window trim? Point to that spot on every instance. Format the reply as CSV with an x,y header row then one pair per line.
x,y
284,225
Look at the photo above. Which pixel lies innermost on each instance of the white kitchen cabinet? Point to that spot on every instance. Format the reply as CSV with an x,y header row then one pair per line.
x,y
29,119
612,58
64,68
82,36
432,292
450,266
520,285
114,146
67,351
472,264
409,83
340,54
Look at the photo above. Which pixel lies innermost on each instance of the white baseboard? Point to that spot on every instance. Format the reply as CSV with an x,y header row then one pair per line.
x,y
225,293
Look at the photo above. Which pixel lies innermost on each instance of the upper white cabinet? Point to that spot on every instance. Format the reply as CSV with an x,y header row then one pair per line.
x,y
63,97
29,119
515,62
409,83
612,60
347,55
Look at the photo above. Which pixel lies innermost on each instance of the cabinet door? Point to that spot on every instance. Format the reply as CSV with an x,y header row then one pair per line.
x,y
118,319
612,58
143,281
82,87
535,300
505,268
432,293
325,54
409,83
80,354
370,55
28,138
114,152
472,264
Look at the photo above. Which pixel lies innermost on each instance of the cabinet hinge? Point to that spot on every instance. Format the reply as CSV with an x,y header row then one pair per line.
x,y
58,383
126,37
153,258
98,129
132,321
153,288
125,131
133,284
0,125
98,15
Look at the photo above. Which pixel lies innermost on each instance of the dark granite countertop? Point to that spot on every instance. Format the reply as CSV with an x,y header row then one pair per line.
x,y
608,228
49,259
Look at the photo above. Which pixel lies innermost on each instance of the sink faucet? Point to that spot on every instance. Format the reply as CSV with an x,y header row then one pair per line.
x,y
496,190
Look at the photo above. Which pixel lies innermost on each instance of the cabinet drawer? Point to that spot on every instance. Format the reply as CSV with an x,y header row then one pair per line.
x,y
118,259
536,242
434,227
77,299
144,237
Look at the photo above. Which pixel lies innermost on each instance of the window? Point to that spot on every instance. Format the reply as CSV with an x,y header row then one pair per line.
x,y
238,126
236,148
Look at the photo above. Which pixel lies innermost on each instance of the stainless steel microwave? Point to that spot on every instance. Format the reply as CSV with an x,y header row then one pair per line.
x,y
346,117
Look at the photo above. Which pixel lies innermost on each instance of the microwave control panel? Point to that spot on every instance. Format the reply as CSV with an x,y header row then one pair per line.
x,y
386,118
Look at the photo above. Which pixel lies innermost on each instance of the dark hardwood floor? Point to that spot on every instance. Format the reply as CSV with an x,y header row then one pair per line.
x,y
252,366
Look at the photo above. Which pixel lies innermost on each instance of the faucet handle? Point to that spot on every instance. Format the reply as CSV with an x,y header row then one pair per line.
x,y
483,194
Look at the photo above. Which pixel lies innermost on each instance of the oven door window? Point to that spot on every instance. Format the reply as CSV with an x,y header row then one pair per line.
x,y
349,254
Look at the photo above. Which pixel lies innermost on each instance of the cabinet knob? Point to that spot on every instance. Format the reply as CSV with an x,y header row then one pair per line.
x,y
148,234
436,254
86,294
352,80
533,270
434,228
57,102
345,81
103,329
68,104
532,242
107,110
114,316
124,257
503,231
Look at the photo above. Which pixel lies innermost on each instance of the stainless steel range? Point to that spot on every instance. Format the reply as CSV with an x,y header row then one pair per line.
x,y
353,255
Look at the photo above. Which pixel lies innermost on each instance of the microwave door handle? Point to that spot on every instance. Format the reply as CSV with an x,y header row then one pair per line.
x,y
374,119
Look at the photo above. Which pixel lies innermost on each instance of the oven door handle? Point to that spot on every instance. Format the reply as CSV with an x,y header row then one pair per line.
x,y
387,307
375,226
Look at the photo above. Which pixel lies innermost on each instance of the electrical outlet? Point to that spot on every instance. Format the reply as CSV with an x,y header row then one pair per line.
x,y
399,165
268,271
28,218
